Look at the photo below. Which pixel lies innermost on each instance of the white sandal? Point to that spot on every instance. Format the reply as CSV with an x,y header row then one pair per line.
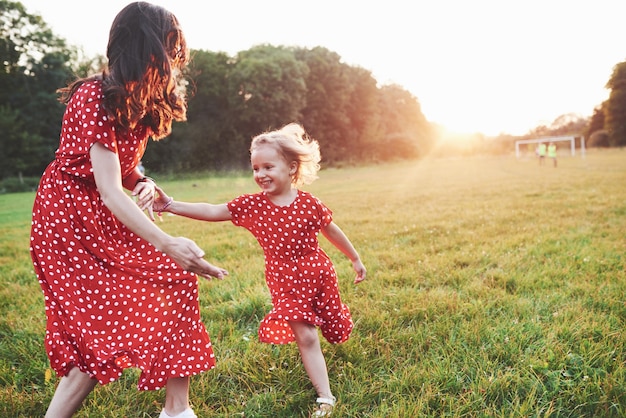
x,y
187,413
325,407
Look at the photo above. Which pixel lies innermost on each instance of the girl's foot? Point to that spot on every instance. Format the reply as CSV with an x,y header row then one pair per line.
x,y
325,407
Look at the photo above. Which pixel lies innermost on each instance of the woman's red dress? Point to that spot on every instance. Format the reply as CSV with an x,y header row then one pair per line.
x,y
112,300
300,276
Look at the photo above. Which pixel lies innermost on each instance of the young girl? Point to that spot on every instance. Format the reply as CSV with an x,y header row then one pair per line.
x,y
119,292
285,221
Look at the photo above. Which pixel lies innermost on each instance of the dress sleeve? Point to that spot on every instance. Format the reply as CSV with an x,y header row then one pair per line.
x,y
94,123
85,122
326,215
240,210
323,213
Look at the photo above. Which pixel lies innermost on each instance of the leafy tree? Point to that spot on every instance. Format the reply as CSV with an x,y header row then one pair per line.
x,y
326,115
34,64
569,124
233,98
200,143
596,123
353,119
12,131
566,124
366,127
407,133
267,89
209,112
615,111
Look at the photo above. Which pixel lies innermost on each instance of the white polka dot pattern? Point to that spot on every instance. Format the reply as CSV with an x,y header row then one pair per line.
x,y
112,300
300,276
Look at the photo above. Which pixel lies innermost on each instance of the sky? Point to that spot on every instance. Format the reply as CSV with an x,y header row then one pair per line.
x,y
488,66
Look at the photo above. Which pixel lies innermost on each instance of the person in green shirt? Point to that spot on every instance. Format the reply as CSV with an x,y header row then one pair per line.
x,y
541,152
552,152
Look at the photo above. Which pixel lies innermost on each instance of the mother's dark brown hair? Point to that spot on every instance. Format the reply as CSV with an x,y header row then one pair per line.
x,y
143,81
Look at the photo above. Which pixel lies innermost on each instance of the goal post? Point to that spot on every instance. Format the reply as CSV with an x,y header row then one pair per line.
x,y
570,139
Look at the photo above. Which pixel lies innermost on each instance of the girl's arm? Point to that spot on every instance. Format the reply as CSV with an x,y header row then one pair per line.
x,y
200,211
107,174
336,236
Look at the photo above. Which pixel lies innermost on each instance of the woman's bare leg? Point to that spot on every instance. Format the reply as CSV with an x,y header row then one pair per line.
x,y
70,394
176,395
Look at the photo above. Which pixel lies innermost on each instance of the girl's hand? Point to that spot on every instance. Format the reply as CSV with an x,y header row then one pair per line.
x,y
161,201
360,270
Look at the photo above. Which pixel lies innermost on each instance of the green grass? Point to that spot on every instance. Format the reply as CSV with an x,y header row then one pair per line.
x,y
496,289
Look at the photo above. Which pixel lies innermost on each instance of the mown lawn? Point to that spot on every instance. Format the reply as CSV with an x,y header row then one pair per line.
x,y
496,289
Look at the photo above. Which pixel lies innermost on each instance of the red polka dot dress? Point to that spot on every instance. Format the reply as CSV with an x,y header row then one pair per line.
x,y
300,276
112,300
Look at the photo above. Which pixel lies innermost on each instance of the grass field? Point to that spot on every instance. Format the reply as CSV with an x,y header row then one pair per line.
x,y
496,289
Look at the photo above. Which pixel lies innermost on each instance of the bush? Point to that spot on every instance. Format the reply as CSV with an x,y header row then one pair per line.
x,y
19,184
599,139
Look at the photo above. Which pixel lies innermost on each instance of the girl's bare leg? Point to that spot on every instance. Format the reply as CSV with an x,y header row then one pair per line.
x,y
313,360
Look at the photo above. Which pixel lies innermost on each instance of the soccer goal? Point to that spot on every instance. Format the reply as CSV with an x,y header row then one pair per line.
x,y
531,145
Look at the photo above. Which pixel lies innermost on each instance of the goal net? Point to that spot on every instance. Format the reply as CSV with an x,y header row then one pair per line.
x,y
565,145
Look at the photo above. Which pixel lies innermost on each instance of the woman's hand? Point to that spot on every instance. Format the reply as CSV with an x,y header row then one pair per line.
x,y
189,256
145,192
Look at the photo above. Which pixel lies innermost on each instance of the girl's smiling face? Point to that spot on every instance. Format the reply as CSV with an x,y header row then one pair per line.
x,y
272,172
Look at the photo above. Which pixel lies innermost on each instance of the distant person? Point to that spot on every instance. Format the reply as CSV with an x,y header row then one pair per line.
x,y
119,292
141,168
541,152
552,152
286,221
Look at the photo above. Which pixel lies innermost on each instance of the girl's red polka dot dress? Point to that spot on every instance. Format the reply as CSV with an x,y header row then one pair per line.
x,y
112,300
300,276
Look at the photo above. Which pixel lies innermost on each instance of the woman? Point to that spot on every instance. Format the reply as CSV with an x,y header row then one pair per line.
x,y
119,292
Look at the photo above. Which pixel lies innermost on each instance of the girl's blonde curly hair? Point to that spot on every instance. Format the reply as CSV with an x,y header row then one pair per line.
x,y
293,143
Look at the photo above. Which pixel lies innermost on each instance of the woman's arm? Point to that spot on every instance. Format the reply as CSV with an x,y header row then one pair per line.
x,y
143,189
130,181
107,174
336,236
200,211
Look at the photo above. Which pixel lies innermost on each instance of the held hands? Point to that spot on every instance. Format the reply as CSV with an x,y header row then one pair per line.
x,y
360,270
182,250
145,192
161,201
151,198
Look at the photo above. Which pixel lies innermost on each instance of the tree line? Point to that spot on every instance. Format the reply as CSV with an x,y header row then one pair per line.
x,y
231,99
265,87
